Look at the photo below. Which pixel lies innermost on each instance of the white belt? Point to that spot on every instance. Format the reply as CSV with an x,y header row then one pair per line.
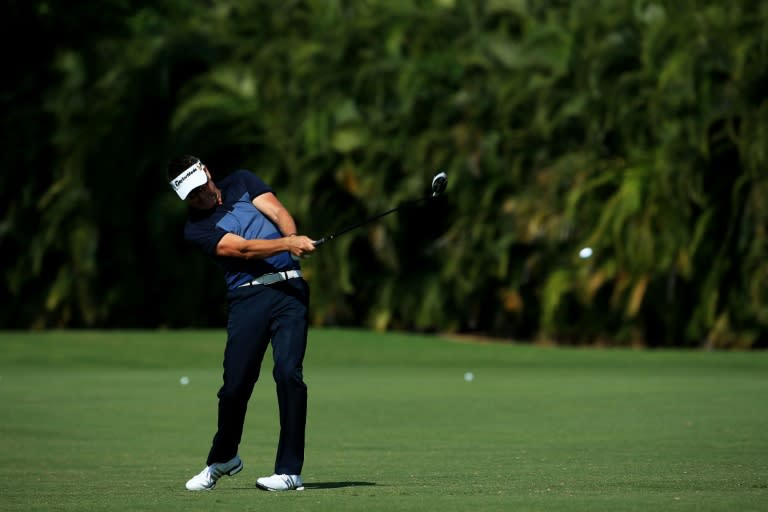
x,y
273,278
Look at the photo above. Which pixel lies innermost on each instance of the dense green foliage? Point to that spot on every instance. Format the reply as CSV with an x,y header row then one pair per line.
x,y
638,128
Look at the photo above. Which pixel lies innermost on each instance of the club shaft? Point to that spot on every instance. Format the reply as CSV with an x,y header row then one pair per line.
x,y
330,237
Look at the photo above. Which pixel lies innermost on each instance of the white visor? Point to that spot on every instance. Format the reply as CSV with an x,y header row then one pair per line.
x,y
189,179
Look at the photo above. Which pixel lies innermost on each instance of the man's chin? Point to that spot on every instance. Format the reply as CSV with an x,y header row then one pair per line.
x,y
199,205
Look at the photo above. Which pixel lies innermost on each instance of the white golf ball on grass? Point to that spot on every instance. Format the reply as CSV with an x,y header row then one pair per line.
x,y
469,376
585,253
184,380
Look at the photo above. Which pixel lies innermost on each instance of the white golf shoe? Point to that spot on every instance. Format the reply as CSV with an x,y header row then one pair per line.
x,y
207,478
280,483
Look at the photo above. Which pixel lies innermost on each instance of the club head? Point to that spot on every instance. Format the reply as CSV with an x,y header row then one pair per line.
x,y
439,183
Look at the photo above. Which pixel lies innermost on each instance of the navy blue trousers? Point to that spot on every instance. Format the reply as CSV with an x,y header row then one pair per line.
x,y
256,316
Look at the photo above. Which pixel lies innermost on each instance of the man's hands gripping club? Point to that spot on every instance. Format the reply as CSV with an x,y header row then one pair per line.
x,y
300,245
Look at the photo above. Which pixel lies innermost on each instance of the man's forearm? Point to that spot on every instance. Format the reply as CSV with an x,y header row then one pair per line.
x,y
237,247
286,224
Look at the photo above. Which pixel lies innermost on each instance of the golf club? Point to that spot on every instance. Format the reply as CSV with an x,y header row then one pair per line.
x,y
439,183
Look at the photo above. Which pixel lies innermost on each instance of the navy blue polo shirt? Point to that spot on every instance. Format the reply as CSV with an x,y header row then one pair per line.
x,y
239,216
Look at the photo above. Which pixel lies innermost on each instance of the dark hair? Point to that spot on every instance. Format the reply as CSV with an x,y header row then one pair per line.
x,y
180,164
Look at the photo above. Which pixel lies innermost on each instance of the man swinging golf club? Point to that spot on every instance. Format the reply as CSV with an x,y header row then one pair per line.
x,y
241,224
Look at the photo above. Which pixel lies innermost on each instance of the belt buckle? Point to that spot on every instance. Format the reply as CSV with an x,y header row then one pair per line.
x,y
272,278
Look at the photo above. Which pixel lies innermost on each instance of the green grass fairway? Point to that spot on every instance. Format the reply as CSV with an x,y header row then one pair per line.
x,y
99,421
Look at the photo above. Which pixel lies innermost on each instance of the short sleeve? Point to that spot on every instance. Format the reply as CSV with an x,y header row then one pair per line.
x,y
204,237
253,184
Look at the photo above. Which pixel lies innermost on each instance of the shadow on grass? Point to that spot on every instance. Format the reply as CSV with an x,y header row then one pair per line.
x,y
337,485
310,486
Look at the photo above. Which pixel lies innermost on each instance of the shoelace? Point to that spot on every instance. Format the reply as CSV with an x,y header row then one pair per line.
x,y
206,474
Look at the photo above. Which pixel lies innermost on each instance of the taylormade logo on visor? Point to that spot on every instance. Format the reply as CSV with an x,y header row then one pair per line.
x,y
189,179
179,181
189,172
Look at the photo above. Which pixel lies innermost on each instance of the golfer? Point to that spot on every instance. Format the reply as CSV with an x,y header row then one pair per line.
x,y
241,224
